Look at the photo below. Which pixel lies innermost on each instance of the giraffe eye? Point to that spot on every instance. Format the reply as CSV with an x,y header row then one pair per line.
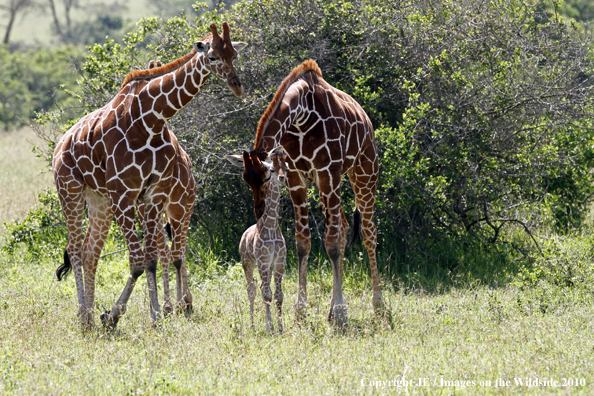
x,y
212,58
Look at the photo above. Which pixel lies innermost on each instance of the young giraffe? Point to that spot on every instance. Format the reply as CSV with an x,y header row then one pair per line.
x,y
122,155
180,202
325,134
181,199
263,243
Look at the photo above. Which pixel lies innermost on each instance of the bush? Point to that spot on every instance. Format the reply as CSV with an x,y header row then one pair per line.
x,y
482,114
34,81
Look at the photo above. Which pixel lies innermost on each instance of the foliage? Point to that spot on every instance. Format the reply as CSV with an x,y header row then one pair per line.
x,y
43,232
579,10
34,81
566,261
482,113
94,30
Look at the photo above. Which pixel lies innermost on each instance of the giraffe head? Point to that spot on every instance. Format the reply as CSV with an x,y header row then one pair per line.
x,y
259,170
219,56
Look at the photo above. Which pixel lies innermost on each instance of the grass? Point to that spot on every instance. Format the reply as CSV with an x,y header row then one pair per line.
x,y
471,333
22,177
466,336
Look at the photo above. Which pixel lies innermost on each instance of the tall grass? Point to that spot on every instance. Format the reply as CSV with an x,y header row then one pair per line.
x,y
470,333
22,176
474,321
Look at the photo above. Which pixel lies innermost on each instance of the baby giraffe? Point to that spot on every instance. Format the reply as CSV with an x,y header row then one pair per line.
x,y
263,243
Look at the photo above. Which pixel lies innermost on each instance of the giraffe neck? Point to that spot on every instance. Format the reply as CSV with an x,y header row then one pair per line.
x,y
164,96
269,220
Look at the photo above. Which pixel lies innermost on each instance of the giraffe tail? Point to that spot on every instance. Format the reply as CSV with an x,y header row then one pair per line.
x,y
356,236
65,268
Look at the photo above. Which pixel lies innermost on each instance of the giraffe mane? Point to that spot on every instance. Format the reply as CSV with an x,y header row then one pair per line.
x,y
159,71
298,71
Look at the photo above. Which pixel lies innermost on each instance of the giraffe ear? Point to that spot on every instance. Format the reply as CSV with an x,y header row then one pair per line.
x,y
201,46
235,159
239,45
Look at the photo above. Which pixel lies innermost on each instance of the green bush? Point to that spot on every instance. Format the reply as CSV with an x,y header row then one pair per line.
x,y
482,112
34,81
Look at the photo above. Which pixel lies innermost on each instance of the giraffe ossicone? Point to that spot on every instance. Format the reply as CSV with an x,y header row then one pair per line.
x,y
123,156
263,243
325,134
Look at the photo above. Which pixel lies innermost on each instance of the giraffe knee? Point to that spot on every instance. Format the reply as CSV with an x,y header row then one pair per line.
x,y
302,250
333,251
151,266
279,296
135,272
266,295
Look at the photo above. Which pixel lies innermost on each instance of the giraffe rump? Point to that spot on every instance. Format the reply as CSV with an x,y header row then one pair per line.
x,y
63,270
298,71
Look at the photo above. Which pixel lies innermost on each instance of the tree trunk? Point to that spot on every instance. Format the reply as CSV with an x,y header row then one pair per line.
x,y
55,15
9,26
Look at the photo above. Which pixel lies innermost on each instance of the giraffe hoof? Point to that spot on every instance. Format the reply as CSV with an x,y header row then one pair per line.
x,y
167,309
108,321
340,317
188,308
86,320
300,313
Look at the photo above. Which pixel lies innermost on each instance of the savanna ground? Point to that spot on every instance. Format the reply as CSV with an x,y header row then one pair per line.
x,y
455,339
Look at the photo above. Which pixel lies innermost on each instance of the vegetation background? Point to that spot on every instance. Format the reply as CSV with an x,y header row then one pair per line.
x,y
483,117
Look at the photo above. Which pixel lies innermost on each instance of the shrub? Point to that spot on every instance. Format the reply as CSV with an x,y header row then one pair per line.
x,y
34,81
482,112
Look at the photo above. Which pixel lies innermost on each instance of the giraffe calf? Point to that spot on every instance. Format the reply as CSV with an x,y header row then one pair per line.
x,y
263,243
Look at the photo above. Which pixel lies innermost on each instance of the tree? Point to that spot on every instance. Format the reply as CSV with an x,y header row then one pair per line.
x,y
12,8
482,111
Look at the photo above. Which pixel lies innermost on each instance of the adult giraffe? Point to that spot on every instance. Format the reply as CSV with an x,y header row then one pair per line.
x,y
325,134
123,155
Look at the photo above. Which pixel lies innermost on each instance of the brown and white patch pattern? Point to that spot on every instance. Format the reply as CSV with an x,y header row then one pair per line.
x,y
325,134
122,156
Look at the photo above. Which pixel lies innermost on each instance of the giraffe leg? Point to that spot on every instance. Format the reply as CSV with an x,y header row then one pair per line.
x,y
179,229
164,256
264,268
342,245
329,186
302,239
124,214
72,202
279,271
100,217
363,178
248,265
153,229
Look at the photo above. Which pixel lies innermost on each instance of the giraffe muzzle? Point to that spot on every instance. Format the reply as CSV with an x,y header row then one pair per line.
x,y
235,86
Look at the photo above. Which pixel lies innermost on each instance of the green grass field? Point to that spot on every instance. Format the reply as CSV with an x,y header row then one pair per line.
x,y
466,339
